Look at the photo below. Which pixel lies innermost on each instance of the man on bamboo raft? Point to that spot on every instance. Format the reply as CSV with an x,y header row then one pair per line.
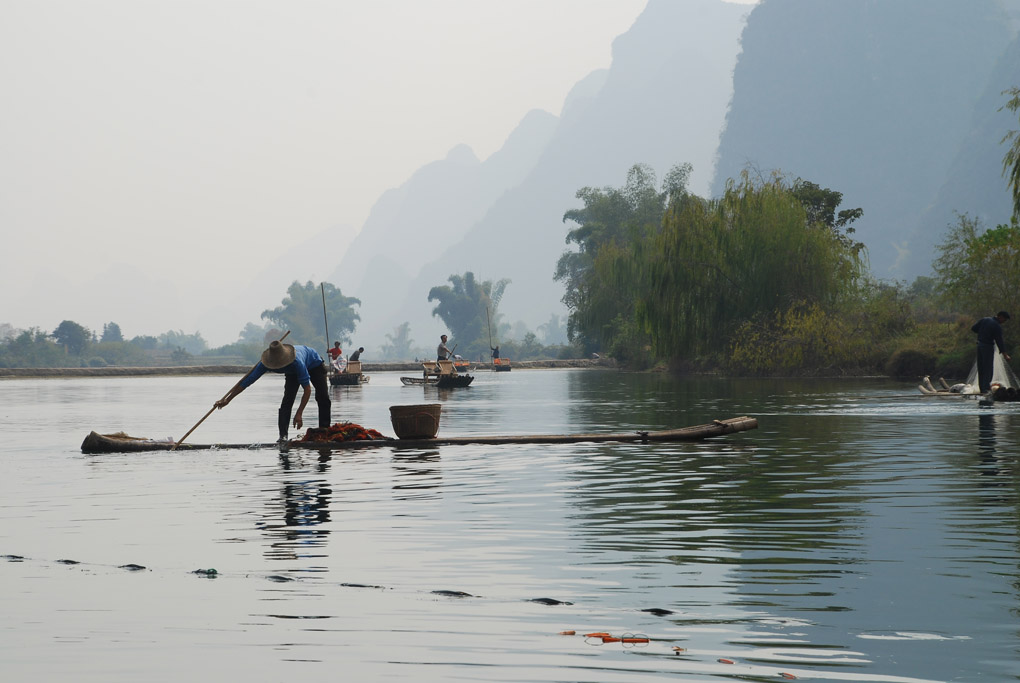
x,y
989,336
301,366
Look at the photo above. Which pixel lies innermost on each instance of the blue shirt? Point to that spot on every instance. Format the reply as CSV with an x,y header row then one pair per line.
x,y
305,358
989,332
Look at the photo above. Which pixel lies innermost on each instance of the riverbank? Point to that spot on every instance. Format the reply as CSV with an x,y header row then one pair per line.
x,y
192,370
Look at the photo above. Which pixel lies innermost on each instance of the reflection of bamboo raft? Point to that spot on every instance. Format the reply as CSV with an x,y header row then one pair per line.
x,y
121,443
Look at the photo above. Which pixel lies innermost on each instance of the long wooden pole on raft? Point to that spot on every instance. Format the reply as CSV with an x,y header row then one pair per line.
x,y
322,287
178,443
488,327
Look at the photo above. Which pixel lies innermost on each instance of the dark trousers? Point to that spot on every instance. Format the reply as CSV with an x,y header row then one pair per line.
x,y
986,364
290,389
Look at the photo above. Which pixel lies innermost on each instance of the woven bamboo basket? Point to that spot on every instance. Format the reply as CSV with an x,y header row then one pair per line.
x,y
416,421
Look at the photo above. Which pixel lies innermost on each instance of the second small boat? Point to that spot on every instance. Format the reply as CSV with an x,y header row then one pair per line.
x,y
440,373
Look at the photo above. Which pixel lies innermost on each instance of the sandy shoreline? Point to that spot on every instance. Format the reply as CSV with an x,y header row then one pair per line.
x,y
191,370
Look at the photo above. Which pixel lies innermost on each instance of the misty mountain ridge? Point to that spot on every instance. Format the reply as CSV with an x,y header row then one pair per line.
x,y
872,99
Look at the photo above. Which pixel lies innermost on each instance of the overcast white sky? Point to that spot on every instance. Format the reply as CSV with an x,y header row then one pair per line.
x,y
177,142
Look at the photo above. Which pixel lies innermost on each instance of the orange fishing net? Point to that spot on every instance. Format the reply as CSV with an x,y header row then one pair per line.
x,y
341,431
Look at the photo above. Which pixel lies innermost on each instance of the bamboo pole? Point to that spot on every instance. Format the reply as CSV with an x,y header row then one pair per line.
x,y
181,440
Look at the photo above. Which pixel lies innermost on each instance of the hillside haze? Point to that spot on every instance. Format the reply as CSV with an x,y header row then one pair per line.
x,y
893,104
873,99
662,102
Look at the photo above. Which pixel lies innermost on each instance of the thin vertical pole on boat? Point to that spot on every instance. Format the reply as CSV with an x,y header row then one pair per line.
x,y
178,443
322,287
488,326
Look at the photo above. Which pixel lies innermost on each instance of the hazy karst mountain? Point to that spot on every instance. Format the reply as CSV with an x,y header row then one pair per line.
x,y
870,98
414,223
662,102
974,184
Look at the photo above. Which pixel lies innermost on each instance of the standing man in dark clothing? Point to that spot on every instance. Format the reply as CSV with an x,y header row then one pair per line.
x,y
989,336
301,366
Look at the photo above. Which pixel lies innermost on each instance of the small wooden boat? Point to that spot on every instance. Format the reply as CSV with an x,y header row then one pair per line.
x,y
96,443
442,381
351,375
439,373
501,364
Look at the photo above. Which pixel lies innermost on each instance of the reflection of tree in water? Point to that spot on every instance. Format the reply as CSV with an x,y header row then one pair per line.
x,y
415,480
785,514
303,509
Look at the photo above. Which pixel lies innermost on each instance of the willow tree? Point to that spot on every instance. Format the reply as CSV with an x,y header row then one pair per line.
x,y
755,250
301,312
469,307
609,224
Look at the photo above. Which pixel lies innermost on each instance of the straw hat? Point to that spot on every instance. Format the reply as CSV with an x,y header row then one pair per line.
x,y
278,356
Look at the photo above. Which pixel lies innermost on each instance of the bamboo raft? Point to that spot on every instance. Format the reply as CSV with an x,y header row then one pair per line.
x,y
96,443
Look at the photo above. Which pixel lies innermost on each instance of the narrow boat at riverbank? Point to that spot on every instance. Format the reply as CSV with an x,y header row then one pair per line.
x,y
96,443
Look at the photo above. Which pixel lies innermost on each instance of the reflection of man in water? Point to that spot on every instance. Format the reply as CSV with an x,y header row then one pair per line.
x,y
991,464
989,336
304,504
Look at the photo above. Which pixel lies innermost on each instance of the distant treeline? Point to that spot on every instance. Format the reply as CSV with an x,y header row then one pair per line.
x,y
74,345
301,313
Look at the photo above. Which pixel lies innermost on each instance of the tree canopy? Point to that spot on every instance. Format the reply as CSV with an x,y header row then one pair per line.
x,y
978,269
301,312
72,336
399,345
666,275
469,307
612,220
111,333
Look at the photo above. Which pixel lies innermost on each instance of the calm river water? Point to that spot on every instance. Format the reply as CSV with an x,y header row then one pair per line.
x,y
862,533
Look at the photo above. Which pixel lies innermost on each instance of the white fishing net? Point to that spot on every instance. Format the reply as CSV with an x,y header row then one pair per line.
x,y
1001,374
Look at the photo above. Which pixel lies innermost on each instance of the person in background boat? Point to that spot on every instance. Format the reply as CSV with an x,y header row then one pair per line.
x,y
442,351
301,366
337,360
335,353
357,354
989,336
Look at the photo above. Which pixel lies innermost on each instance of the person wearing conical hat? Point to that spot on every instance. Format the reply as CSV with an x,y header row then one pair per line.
x,y
301,366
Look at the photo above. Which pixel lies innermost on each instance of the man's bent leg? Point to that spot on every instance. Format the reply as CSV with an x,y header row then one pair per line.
x,y
319,381
290,387
985,364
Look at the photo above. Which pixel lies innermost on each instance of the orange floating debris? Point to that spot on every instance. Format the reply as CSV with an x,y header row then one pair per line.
x,y
634,640
610,639
678,650
723,660
567,633
600,634
788,676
